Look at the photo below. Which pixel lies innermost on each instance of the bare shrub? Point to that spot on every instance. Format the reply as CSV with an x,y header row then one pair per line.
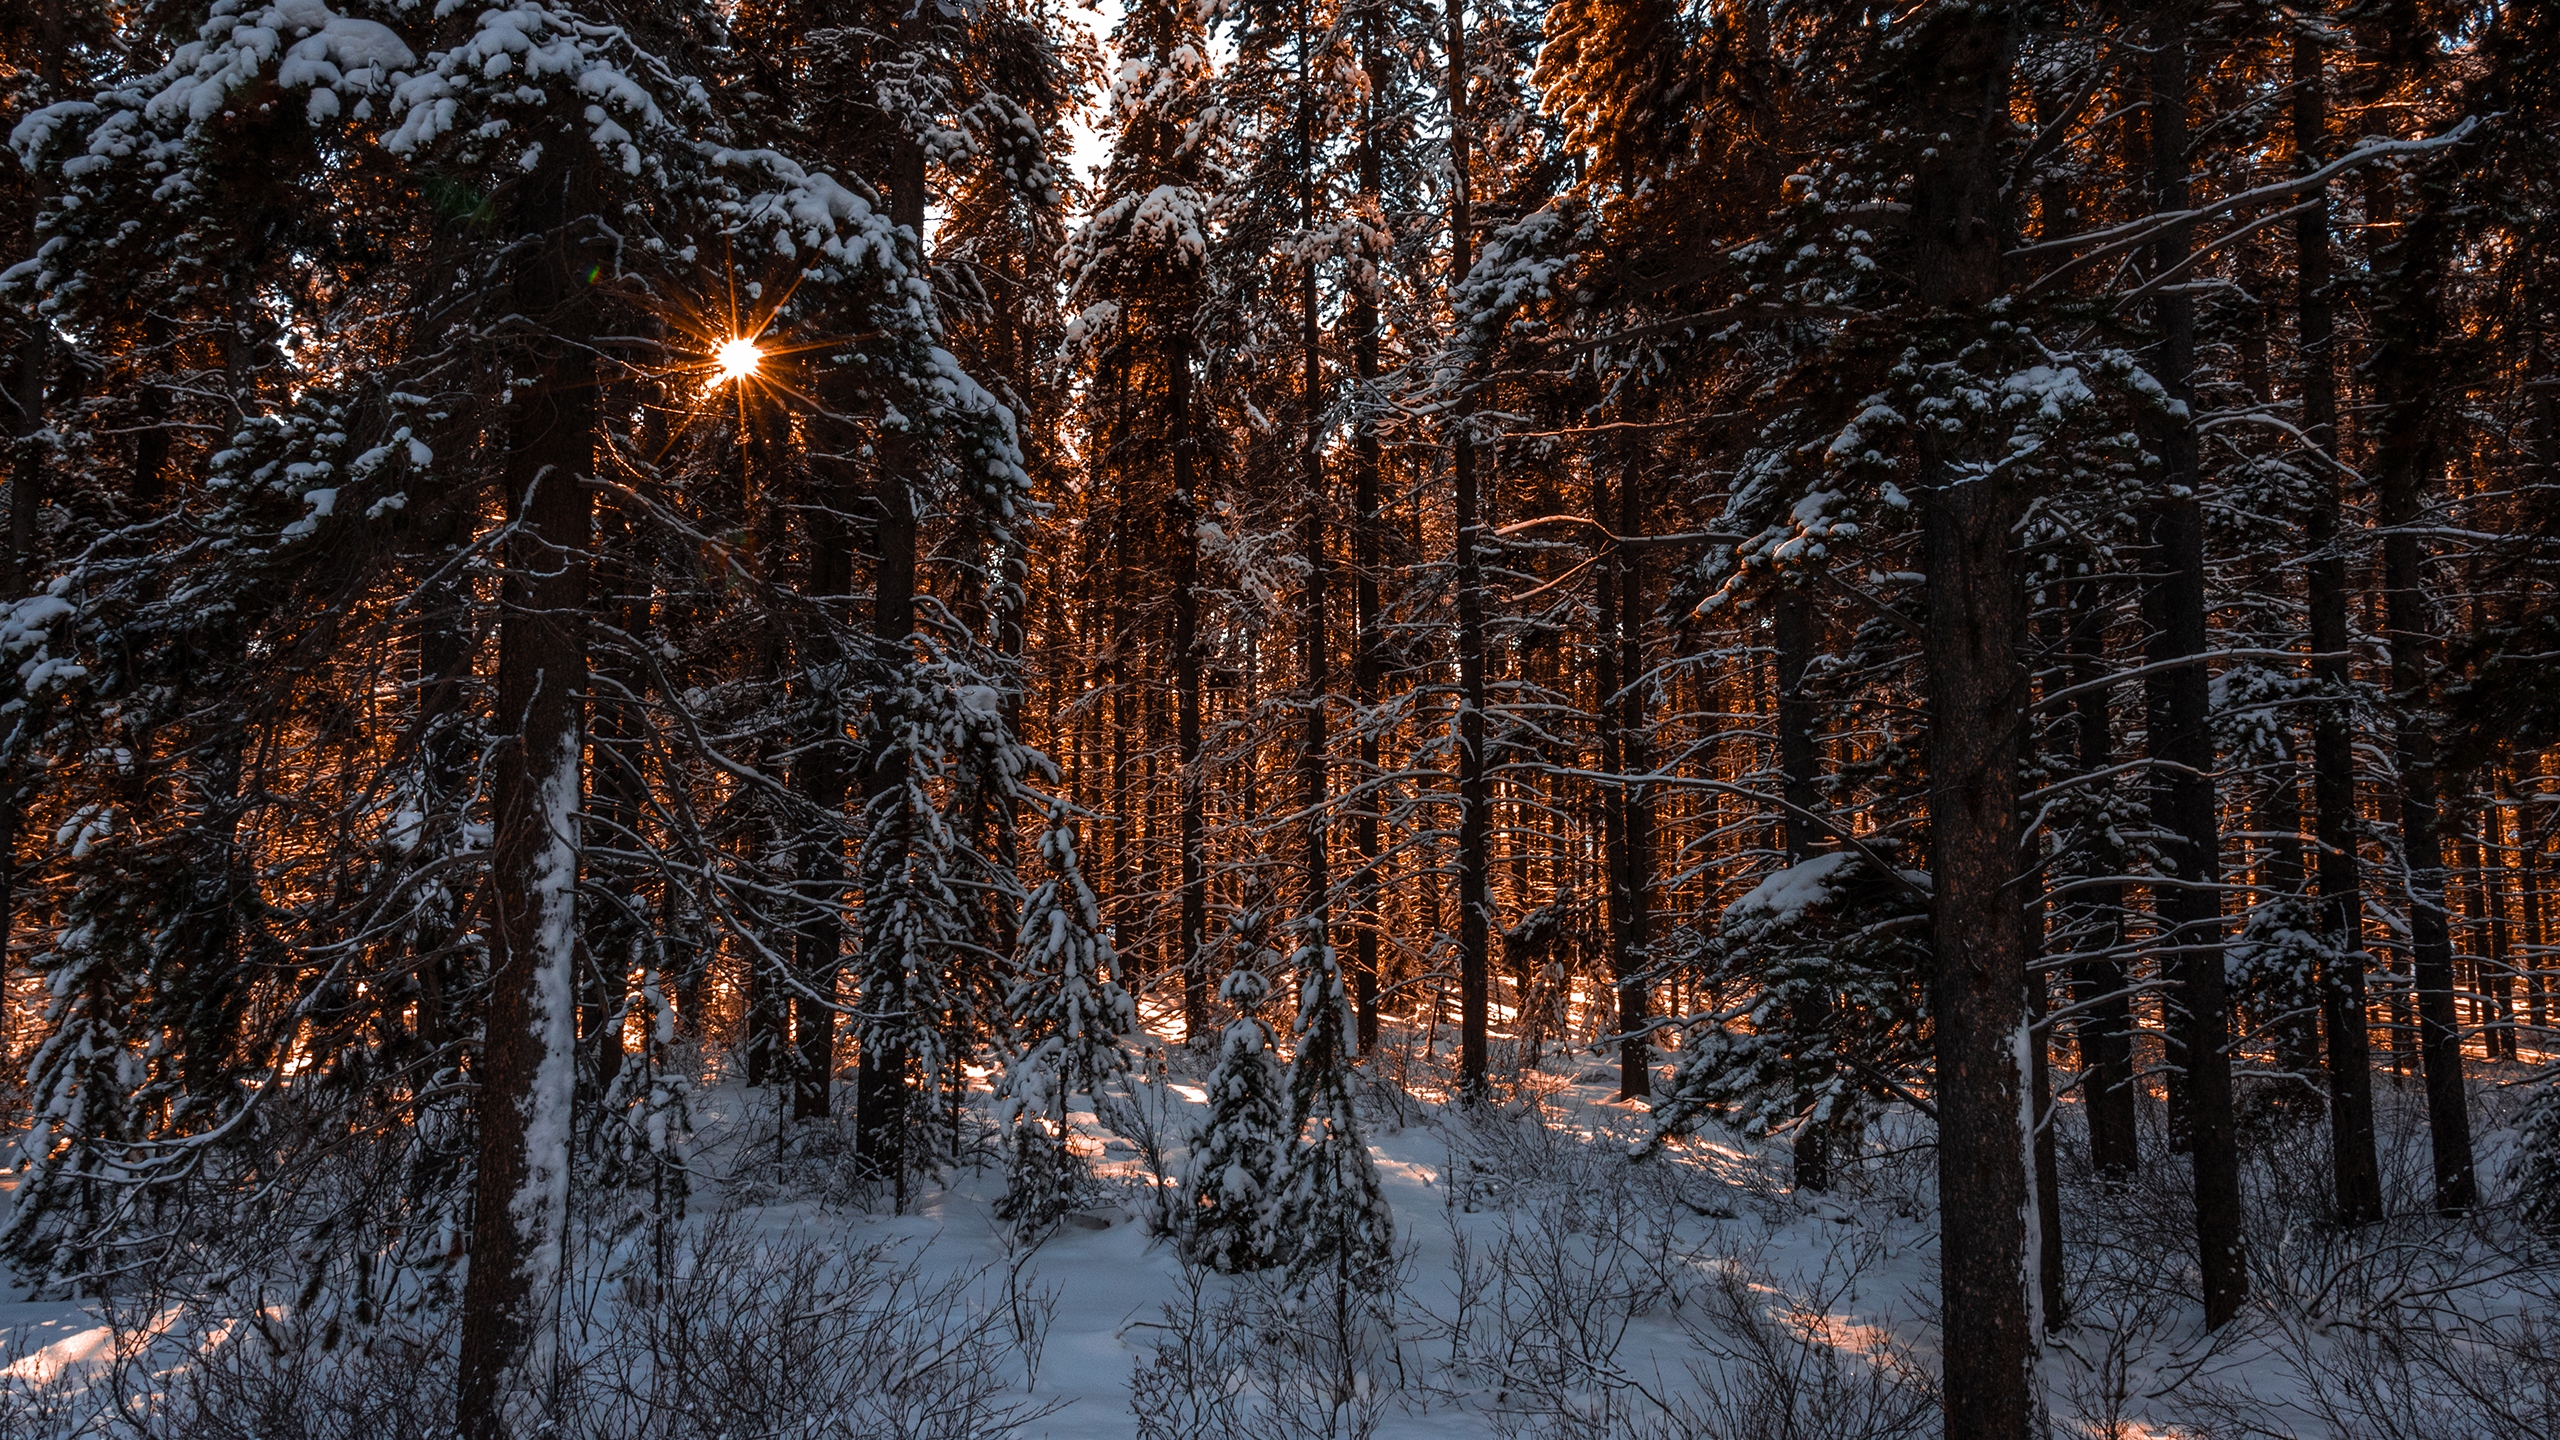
x,y
752,1337
1257,1359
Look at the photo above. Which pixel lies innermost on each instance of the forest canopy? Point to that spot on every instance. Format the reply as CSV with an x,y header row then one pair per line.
x,y
1971,560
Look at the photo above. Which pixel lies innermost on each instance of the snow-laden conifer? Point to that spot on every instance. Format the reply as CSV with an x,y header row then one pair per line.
x,y
1229,1175
1327,1216
1067,1016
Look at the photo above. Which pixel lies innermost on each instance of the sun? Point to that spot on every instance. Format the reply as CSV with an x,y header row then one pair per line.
x,y
737,359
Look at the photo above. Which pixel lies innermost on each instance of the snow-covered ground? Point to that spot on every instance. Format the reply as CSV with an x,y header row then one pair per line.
x,y
1549,1286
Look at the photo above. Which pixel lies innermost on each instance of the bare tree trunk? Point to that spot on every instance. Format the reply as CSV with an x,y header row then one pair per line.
x,y
1193,946
1977,702
1475,800
1791,641
526,1070
2105,1029
2357,1177
2181,735
1316,917
1368,664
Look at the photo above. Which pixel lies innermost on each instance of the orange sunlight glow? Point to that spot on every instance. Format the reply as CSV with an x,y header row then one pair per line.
x,y
737,359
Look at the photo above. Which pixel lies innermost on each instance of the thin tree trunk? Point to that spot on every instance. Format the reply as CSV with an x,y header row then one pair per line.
x,y
2181,735
1475,801
820,776
768,989
1369,663
1635,939
1193,944
2430,936
2497,963
1791,640
2105,1029
2356,1175
2295,1028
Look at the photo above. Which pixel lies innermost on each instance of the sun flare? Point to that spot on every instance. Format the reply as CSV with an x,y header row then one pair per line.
x,y
737,359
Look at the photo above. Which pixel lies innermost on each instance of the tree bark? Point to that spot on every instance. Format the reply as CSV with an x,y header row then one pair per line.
x,y
1977,694
1193,944
1313,740
881,1103
526,1069
1791,640
1632,896
2181,736
821,777
1368,662
2357,1177
1475,800
2105,1028
1977,702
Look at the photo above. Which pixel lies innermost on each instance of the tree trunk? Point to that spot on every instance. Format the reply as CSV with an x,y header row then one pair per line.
x,y
1314,919
1791,639
526,1070
2414,751
1369,663
1192,948
2105,1029
820,778
1475,800
2356,1175
2181,736
2406,330
1977,693
881,1109
1977,702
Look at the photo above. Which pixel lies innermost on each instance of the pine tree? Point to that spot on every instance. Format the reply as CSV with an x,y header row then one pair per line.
x,y
1067,1018
1236,1153
1326,1213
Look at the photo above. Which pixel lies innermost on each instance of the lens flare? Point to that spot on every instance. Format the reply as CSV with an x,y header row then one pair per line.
x,y
737,359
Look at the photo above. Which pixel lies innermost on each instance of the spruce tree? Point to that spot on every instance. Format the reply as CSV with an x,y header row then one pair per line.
x,y
1236,1152
1067,1017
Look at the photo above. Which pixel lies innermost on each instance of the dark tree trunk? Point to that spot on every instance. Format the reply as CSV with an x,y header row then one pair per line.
x,y
1632,894
524,1074
2294,1023
1475,800
1318,906
1791,640
2357,1177
2405,368
1192,947
1368,663
881,1102
767,981
821,778
1618,746
1977,692
2414,750
2180,730
1977,704
2105,1029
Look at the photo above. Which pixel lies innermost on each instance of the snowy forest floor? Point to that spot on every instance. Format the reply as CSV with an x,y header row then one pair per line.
x,y
1548,1287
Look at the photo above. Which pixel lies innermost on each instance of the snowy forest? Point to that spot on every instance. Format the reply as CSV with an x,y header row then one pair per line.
x,y
1555,719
